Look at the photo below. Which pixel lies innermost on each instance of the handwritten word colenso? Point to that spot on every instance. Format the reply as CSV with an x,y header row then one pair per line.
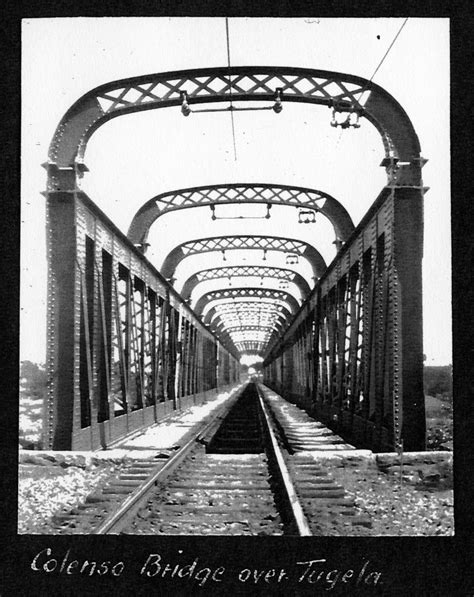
x,y
313,572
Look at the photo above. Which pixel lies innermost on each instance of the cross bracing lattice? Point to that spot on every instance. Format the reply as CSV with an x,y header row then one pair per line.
x,y
342,92
247,293
240,193
244,271
239,242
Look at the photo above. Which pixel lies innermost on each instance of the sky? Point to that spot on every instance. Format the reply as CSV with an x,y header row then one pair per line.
x,y
135,157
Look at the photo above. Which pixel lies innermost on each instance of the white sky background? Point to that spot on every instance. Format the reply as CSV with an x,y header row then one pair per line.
x,y
135,157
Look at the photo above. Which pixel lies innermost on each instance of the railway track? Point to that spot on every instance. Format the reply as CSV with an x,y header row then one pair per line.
x,y
232,478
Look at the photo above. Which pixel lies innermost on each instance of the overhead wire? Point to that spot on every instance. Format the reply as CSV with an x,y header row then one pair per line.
x,y
364,89
388,50
230,86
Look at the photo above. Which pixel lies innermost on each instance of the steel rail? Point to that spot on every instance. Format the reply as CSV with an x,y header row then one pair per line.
x,y
294,508
129,507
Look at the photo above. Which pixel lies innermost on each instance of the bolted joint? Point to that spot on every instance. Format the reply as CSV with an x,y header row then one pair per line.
x,y
402,173
61,178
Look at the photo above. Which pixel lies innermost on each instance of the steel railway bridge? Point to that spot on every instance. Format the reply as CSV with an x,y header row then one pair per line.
x,y
125,348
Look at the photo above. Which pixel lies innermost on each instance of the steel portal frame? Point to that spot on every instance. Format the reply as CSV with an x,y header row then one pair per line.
x,y
238,193
237,271
242,242
247,292
342,92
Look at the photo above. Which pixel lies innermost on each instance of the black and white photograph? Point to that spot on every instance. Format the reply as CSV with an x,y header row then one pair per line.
x,y
235,310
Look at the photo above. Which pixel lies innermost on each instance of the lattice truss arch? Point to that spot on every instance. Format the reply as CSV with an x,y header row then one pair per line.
x,y
280,274
249,317
250,346
343,92
236,193
251,322
249,332
246,271
238,308
257,331
247,292
250,328
240,242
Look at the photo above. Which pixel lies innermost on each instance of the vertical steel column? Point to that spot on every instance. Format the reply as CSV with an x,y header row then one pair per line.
x,y
178,351
408,344
63,312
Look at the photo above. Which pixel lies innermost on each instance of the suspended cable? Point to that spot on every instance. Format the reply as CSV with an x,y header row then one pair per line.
x,y
230,86
389,48
364,89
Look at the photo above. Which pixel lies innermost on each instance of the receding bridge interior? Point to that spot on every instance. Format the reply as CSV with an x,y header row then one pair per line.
x,y
327,307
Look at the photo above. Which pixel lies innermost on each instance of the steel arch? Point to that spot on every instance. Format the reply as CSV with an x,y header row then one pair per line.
x,y
239,242
341,91
261,335
267,328
232,306
235,325
223,322
246,292
233,193
246,345
244,271
245,328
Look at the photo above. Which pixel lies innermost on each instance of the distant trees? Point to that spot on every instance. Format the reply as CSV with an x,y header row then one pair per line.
x,y
33,380
438,380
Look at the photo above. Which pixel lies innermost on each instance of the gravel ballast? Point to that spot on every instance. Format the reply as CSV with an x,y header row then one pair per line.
x,y
48,489
417,502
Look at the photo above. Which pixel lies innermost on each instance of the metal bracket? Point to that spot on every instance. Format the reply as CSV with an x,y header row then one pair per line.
x,y
265,217
306,216
186,109
352,118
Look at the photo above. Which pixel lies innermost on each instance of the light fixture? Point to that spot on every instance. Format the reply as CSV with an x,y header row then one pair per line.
x,y
292,259
306,216
214,217
185,109
278,106
350,116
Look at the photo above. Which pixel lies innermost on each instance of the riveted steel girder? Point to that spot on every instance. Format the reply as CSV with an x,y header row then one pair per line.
x,y
261,336
246,292
240,83
235,324
247,307
250,345
240,242
247,332
244,271
273,321
238,193
246,328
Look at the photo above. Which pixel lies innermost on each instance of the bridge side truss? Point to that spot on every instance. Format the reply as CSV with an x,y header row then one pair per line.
x,y
353,354
124,348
